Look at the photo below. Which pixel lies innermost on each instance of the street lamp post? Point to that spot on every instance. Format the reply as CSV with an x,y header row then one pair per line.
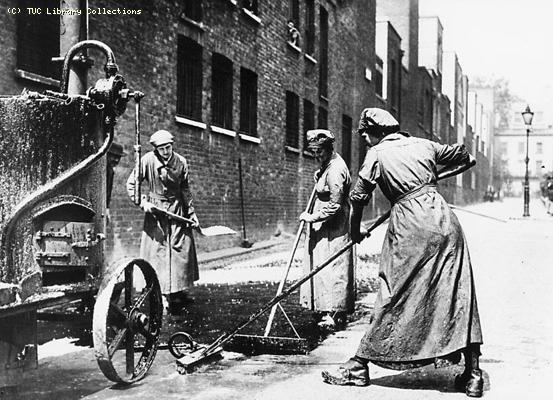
x,y
527,116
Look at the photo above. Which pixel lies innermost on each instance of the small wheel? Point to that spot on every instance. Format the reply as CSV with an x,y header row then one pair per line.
x,y
179,342
127,321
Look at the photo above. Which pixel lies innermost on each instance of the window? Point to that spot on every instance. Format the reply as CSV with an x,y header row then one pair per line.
x,y
295,13
346,139
221,91
189,78
539,148
248,102
504,148
310,27
292,119
38,39
322,119
429,110
193,10
251,5
323,62
539,163
377,77
521,147
394,85
308,120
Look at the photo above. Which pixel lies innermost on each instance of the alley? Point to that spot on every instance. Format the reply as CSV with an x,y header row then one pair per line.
x,y
512,264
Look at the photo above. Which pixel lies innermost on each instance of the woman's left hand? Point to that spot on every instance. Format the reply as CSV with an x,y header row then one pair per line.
x,y
305,216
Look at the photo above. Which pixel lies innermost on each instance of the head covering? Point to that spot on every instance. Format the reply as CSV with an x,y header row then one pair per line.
x,y
116,149
378,117
319,137
161,137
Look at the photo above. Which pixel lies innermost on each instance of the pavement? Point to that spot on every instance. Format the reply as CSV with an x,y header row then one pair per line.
x,y
512,260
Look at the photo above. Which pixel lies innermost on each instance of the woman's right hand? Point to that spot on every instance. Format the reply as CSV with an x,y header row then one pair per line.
x,y
147,206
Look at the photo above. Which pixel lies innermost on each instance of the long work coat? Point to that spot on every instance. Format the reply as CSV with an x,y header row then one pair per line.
x,y
176,265
332,289
426,308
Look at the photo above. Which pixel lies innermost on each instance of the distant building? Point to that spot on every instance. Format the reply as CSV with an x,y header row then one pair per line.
x,y
510,144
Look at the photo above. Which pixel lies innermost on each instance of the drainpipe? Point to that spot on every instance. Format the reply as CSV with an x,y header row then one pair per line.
x,y
74,29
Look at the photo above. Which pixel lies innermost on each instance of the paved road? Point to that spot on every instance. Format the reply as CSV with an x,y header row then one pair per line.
x,y
513,265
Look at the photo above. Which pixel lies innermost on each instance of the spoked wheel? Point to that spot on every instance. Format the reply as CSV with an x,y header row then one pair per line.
x,y
127,320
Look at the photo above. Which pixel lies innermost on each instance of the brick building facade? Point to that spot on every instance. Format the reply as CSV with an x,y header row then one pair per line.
x,y
238,83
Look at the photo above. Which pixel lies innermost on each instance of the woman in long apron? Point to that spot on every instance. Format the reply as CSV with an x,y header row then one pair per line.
x,y
330,293
426,309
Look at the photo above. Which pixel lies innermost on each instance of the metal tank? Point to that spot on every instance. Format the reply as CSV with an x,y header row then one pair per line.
x,y
52,223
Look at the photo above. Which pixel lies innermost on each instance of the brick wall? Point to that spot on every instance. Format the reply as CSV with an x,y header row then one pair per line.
x,y
277,182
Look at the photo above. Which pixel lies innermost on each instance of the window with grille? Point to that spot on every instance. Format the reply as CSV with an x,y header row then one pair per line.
x,y
322,118
193,10
248,102
292,119
323,57
310,27
221,91
189,78
308,120
38,39
347,126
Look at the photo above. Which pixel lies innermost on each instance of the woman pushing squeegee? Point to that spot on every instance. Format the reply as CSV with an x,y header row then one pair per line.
x,y
456,166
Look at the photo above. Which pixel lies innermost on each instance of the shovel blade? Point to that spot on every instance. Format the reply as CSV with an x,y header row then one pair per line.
x,y
217,230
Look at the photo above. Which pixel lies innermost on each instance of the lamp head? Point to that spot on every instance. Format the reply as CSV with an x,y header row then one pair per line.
x,y
527,116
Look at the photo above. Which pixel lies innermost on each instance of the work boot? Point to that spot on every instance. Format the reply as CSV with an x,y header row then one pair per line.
x,y
353,372
471,381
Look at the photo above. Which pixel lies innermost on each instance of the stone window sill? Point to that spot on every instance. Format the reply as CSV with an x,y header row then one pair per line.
x,y
294,47
254,18
249,138
190,122
195,24
310,58
223,131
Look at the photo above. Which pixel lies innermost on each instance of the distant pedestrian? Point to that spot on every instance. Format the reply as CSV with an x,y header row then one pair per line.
x,y
167,244
330,293
426,308
549,193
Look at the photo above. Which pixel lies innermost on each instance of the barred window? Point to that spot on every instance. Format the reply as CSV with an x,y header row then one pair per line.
x,y
221,91
310,27
189,78
394,85
347,126
323,57
193,9
322,119
38,39
292,119
248,102
308,120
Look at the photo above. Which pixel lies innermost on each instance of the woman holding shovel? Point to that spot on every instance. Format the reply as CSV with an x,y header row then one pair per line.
x,y
331,293
426,309
166,243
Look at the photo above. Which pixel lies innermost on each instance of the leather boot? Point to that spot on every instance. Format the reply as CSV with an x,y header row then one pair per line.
x,y
471,381
353,372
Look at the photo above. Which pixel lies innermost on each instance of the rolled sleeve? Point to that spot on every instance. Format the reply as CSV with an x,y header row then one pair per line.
x,y
451,155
